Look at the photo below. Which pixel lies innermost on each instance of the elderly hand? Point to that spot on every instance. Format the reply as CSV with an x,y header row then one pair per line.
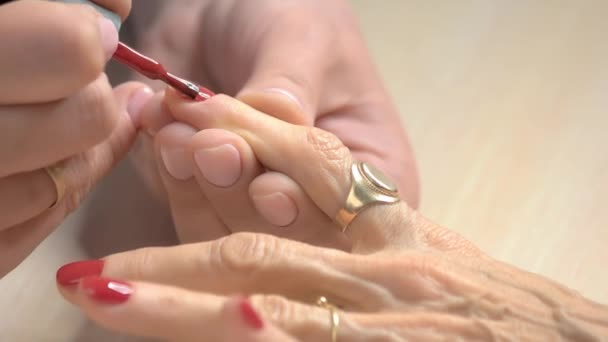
x,y
58,110
304,62
408,279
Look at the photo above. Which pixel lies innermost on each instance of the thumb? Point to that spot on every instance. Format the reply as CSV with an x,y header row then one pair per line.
x,y
286,80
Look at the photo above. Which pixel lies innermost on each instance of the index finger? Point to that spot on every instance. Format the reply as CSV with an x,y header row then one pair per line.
x,y
241,263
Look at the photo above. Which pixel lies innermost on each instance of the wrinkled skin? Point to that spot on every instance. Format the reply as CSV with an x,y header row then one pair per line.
x,y
405,278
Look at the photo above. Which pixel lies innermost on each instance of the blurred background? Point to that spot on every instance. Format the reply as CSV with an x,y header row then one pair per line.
x,y
506,105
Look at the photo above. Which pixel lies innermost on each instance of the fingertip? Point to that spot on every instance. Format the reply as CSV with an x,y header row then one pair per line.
x,y
137,101
269,193
155,114
172,142
278,102
132,97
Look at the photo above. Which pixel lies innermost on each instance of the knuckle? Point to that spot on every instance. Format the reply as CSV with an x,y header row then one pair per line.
x,y
421,271
96,110
244,253
135,265
335,157
276,309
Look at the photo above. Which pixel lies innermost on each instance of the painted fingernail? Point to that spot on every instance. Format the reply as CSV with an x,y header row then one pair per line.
x,y
204,94
105,290
176,162
277,208
249,315
220,165
136,102
70,274
109,36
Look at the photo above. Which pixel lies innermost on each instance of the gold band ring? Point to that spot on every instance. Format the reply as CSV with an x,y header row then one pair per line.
x,y
333,315
56,174
369,186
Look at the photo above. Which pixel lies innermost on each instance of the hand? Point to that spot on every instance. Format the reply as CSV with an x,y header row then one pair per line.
x,y
304,62
56,107
408,279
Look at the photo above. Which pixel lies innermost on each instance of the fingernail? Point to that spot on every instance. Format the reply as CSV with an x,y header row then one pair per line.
x,y
176,162
70,274
277,208
221,165
286,93
204,94
109,36
136,103
105,290
249,315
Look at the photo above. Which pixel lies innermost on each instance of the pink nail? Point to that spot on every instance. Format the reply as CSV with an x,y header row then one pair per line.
x,y
109,36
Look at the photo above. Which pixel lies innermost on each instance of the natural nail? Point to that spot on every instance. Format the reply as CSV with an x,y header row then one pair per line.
x,y
105,290
109,36
70,274
136,103
287,94
277,208
221,165
176,162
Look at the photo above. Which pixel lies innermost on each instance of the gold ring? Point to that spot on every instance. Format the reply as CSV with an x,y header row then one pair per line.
x,y
369,186
333,315
56,174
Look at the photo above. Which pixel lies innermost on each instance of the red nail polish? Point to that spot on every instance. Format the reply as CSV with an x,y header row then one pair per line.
x,y
249,315
70,274
203,94
107,291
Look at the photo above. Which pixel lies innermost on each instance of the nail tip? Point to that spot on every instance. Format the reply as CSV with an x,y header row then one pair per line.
x,y
106,290
70,274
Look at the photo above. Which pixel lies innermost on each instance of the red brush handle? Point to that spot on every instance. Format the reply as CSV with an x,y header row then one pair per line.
x,y
154,70
140,63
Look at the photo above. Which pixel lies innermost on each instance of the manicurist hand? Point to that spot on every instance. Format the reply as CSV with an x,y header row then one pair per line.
x,y
62,126
406,278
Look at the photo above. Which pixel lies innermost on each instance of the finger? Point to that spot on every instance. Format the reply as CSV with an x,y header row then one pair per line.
x,y
314,158
273,194
224,166
245,263
316,86
39,135
287,80
193,215
246,199
155,115
141,309
50,50
80,174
